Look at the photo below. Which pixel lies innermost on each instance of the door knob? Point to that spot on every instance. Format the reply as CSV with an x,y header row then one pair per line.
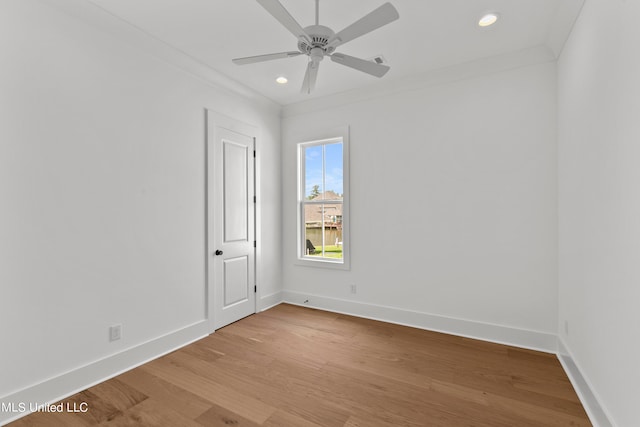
x,y
219,252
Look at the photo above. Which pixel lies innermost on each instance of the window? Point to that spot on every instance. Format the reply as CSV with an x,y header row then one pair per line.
x,y
323,202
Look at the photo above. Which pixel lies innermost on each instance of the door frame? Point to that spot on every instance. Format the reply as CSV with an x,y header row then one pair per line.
x,y
214,120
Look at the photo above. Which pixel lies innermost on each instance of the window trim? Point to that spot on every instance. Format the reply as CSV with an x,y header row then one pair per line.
x,y
301,258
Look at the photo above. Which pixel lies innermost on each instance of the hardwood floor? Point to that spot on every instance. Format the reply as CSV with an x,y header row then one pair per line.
x,y
294,366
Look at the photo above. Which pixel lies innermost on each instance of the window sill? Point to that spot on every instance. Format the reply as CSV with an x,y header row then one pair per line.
x,y
322,263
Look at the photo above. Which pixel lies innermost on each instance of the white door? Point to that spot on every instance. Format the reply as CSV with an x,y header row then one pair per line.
x,y
231,223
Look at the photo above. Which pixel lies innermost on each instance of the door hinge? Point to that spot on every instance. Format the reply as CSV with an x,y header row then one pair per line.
x,y
255,288
255,244
254,199
254,154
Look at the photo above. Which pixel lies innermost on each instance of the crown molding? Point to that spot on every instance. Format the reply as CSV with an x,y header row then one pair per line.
x,y
562,24
458,72
92,14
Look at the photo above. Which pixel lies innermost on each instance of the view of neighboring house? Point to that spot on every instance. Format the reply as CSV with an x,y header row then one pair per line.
x,y
325,216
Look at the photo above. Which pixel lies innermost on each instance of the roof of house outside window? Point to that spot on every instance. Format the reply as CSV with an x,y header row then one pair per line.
x,y
332,211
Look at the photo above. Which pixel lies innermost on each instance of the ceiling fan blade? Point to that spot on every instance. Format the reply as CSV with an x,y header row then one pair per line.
x,y
275,8
310,77
374,20
268,57
365,66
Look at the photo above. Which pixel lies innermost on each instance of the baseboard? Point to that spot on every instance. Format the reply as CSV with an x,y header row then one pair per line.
x,y
523,338
269,301
583,388
65,385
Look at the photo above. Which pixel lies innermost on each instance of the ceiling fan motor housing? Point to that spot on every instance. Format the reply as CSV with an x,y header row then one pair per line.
x,y
320,36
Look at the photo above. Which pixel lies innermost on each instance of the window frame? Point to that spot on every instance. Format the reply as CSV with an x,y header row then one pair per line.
x,y
301,257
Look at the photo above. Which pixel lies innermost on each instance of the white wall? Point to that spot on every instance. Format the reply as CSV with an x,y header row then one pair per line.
x,y
599,152
453,200
102,197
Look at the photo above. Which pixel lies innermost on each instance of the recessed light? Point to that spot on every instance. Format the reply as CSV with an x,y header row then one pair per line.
x,y
282,80
488,20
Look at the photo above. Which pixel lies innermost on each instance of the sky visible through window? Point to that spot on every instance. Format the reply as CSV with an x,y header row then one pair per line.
x,y
332,169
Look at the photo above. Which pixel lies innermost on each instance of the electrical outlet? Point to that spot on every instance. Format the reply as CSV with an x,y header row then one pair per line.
x,y
115,332
354,289
566,327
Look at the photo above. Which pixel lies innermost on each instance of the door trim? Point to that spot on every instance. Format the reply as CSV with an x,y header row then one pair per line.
x,y
212,122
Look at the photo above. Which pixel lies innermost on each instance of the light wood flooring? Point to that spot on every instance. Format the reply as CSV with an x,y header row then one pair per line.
x,y
294,366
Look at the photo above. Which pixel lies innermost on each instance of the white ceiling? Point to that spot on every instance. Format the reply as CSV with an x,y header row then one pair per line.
x,y
430,34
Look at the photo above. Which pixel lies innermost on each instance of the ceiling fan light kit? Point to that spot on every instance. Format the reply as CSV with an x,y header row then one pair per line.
x,y
317,41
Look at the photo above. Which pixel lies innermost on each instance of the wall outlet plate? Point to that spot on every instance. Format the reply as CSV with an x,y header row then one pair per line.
x,y
115,332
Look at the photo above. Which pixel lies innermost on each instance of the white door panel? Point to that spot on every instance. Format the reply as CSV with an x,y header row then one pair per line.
x,y
231,222
236,191
236,281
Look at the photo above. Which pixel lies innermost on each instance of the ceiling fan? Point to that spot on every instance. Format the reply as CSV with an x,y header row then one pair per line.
x,y
317,41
